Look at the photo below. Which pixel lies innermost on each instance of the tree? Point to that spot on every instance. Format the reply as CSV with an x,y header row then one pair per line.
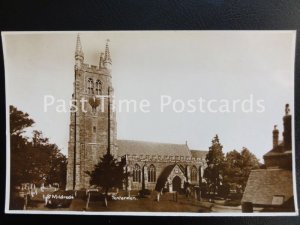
x,y
58,167
238,166
18,121
108,173
33,161
232,168
48,164
249,162
215,163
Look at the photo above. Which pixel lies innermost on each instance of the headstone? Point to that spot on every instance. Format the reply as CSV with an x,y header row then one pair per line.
x,y
25,202
46,199
105,201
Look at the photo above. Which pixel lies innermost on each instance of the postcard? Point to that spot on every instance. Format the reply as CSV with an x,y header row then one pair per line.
x,y
160,123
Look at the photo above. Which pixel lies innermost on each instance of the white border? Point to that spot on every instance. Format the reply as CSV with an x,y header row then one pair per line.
x,y
130,213
293,132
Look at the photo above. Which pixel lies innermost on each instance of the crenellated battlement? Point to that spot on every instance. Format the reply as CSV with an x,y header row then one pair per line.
x,y
94,69
162,158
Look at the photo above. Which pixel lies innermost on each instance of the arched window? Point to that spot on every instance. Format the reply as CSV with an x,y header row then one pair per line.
x,y
90,86
194,174
98,87
151,173
136,173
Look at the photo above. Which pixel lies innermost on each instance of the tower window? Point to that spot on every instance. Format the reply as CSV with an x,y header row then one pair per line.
x,y
90,86
94,129
151,174
98,87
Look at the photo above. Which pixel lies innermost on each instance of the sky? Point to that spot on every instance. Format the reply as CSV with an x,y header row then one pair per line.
x,y
148,64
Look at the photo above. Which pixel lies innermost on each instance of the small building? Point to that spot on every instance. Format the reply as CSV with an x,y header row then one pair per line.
x,y
272,188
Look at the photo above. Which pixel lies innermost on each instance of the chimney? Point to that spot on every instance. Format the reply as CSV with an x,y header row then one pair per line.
x,y
275,137
287,129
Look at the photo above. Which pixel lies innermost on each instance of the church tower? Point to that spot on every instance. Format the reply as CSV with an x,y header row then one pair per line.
x,y
91,125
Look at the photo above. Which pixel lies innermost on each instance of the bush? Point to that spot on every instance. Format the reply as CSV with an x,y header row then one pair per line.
x,y
223,191
204,191
235,196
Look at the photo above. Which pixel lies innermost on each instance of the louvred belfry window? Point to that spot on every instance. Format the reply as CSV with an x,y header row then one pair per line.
x,y
98,87
90,86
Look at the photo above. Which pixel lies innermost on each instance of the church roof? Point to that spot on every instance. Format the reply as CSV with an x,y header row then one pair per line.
x,y
131,147
264,184
198,153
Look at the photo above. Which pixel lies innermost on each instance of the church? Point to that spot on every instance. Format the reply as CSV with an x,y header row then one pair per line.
x,y
151,165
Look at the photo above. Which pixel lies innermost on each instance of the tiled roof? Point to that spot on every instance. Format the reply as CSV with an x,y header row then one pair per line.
x,y
198,153
131,147
274,153
278,150
263,184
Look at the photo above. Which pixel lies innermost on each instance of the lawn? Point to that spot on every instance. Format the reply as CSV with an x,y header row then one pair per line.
x,y
149,204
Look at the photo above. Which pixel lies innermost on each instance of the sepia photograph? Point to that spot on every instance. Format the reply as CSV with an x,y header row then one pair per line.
x,y
150,123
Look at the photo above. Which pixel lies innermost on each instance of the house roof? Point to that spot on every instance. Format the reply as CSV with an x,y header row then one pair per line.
x,y
278,150
264,184
274,153
198,153
131,147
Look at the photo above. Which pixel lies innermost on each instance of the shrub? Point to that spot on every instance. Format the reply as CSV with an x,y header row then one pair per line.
x,y
223,191
235,196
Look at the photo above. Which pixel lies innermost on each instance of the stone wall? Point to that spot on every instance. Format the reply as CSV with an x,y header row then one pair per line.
x,y
160,163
